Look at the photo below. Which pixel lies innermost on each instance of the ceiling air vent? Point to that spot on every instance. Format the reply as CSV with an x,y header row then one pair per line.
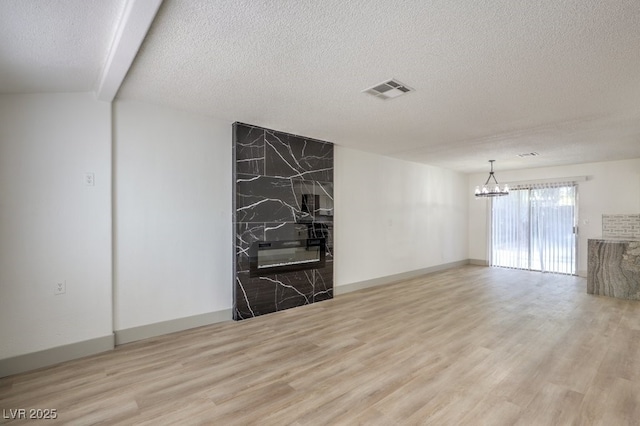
x,y
388,90
528,154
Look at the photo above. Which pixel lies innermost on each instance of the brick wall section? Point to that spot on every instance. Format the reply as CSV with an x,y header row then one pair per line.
x,y
621,226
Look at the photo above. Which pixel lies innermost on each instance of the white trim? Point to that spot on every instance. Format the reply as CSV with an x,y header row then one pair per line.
x,y
52,356
165,327
57,355
348,288
132,29
575,179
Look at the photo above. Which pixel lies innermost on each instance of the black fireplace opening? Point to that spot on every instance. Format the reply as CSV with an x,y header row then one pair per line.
x,y
272,257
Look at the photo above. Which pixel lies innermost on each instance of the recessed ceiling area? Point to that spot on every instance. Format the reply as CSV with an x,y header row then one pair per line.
x,y
492,78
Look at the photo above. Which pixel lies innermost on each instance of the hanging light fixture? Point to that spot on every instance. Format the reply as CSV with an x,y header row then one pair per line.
x,y
490,190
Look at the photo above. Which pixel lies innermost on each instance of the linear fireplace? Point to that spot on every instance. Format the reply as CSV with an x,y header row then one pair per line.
x,y
283,220
271,257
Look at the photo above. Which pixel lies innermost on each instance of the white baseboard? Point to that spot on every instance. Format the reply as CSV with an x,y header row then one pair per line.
x,y
348,288
165,327
52,356
479,262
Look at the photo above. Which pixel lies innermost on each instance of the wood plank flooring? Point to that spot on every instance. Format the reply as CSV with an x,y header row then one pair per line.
x,y
467,346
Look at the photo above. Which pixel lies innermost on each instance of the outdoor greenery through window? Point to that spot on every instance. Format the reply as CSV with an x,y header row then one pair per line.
x,y
534,228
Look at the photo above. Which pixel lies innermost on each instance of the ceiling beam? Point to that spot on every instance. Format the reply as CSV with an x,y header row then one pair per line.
x,y
132,29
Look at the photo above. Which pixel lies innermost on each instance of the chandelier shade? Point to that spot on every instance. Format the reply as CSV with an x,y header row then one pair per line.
x,y
491,189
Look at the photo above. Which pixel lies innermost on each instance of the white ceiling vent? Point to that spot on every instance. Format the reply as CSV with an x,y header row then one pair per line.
x,y
528,154
388,90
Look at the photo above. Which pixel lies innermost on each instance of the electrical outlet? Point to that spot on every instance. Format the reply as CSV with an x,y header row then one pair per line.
x,y
60,288
89,179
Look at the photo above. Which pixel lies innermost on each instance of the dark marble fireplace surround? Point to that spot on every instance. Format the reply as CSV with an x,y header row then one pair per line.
x,y
283,192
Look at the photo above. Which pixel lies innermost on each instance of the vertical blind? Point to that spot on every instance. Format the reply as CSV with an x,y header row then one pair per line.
x,y
534,228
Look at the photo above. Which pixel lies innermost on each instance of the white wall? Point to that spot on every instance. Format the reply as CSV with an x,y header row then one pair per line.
x,y
394,216
52,226
612,187
172,206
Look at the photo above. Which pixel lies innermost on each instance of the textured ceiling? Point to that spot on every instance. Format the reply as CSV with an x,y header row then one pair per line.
x,y
492,78
55,45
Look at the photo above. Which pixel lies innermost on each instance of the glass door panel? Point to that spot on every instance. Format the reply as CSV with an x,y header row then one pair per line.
x,y
533,228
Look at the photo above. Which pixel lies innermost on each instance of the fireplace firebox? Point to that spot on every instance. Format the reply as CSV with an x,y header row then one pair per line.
x,y
272,257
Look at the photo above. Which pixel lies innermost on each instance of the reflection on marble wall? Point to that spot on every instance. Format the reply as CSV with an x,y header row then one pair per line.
x,y
283,191
614,268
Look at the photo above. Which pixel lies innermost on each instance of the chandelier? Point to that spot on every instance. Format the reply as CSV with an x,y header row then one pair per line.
x,y
489,190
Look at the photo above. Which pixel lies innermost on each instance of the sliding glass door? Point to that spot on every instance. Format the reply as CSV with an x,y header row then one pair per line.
x,y
534,228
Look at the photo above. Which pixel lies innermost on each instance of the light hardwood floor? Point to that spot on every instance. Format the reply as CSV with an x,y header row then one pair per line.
x,y
470,346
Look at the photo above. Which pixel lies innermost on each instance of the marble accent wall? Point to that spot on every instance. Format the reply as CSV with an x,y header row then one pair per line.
x,y
283,191
614,268
621,226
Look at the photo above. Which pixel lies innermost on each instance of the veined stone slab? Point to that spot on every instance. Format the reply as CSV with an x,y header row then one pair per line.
x,y
614,268
283,193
